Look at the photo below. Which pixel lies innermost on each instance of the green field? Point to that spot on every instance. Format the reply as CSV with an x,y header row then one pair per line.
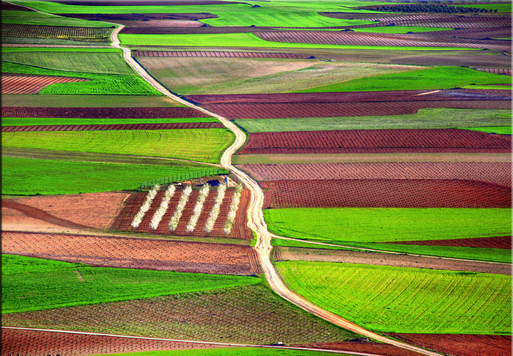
x,y
340,225
37,18
424,119
501,130
87,101
32,121
204,145
99,84
61,50
29,176
405,300
442,77
237,351
36,284
243,40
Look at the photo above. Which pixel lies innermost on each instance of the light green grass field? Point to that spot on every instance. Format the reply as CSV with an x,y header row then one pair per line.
x,y
31,121
60,50
501,130
424,119
27,176
339,225
204,145
37,18
443,77
36,284
405,300
236,351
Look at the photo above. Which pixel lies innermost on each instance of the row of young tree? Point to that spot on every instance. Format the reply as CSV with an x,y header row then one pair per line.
x,y
445,9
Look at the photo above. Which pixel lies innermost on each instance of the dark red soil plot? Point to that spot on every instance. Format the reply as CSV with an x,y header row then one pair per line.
x,y
29,342
490,172
382,39
386,193
366,141
460,345
31,84
484,242
217,54
121,252
361,346
114,113
295,110
12,7
133,204
353,97
182,125
504,71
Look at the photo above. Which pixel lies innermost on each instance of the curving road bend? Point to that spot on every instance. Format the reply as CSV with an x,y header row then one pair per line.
x,y
255,216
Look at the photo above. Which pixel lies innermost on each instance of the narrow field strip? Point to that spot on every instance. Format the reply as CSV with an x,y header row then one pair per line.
x,y
217,54
163,126
92,34
41,121
31,84
405,300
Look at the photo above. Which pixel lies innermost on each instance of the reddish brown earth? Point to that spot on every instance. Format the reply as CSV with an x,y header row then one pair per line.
x,y
240,230
89,34
361,346
387,193
12,7
94,210
122,252
375,141
31,84
216,54
460,345
483,242
295,110
490,172
113,113
27,342
170,126
504,71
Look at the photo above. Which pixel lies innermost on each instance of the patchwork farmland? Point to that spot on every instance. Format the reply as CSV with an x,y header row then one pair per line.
x,y
161,159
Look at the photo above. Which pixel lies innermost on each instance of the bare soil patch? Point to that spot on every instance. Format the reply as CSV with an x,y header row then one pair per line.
x,y
460,345
122,252
169,126
31,84
102,112
361,345
389,193
397,260
491,172
483,242
217,54
371,141
13,7
95,210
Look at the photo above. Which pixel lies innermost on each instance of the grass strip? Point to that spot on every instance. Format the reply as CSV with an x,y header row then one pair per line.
x,y
35,284
30,176
361,225
38,18
424,119
501,130
406,300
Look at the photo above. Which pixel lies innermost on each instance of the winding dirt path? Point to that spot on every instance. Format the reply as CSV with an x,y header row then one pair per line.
x,y
255,216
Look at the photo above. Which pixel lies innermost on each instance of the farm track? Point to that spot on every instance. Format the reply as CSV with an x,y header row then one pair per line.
x,y
31,84
255,216
170,126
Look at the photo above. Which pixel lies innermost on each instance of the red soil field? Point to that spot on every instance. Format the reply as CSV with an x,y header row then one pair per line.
x,y
484,242
381,39
89,34
29,342
217,54
387,193
295,110
504,71
353,97
491,172
366,141
132,205
31,84
361,346
123,252
114,113
170,126
12,7
460,345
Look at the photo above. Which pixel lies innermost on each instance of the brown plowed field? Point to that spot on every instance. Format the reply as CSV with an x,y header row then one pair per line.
x,y
353,97
217,54
386,193
483,242
121,252
90,34
12,7
133,204
361,346
490,172
460,345
29,342
504,71
375,141
31,84
295,110
170,126
380,39
114,113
